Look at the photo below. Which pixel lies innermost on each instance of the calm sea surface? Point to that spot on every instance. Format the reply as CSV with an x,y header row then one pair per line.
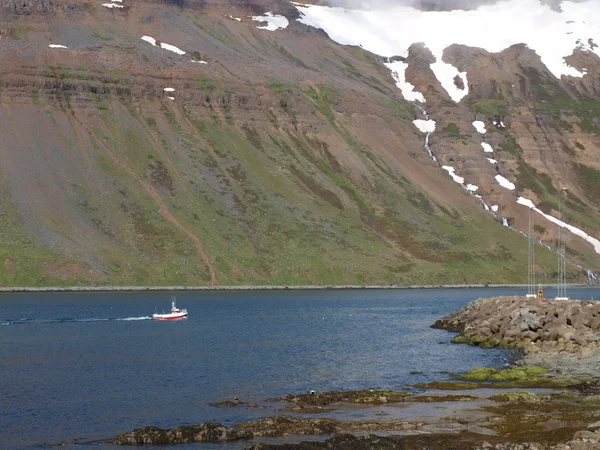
x,y
86,366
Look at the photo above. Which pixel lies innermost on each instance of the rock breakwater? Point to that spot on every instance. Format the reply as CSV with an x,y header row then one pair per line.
x,y
535,325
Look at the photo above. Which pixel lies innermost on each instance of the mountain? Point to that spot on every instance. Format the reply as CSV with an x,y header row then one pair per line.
x,y
232,142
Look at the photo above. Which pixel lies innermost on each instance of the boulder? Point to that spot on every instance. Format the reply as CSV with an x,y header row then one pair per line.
x,y
593,426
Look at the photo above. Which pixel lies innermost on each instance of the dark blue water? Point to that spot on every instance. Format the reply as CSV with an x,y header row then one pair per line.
x,y
80,367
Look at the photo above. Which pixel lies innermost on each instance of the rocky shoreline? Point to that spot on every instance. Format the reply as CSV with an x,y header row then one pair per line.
x,y
309,287
552,407
556,334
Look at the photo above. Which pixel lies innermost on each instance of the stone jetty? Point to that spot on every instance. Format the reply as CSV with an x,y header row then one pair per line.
x,y
535,325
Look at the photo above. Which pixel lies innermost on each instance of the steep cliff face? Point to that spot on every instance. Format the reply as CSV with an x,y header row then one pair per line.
x,y
266,157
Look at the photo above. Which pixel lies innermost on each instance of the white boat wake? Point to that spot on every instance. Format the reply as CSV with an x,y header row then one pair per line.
x,y
136,318
26,321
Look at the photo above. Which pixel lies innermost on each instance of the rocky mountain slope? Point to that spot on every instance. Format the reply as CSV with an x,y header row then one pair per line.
x,y
219,149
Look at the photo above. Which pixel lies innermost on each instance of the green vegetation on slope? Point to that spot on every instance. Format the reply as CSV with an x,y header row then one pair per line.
x,y
273,206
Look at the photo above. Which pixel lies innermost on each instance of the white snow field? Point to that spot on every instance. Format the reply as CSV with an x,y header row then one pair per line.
x,y
392,30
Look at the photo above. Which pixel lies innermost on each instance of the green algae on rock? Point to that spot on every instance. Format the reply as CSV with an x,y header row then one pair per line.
x,y
516,373
516,397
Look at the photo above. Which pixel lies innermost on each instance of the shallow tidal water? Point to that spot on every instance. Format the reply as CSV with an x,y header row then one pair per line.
x,y
80,367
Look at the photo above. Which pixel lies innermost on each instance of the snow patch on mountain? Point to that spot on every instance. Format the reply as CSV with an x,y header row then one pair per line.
x,y
409,92
479,126
391,31
487,147
492,161
57,46
164,46
425,126
274,22
450,170
576,231
505,183
446,73
112,5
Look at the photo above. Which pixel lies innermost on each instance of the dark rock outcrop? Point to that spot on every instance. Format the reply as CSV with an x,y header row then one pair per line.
x,y
269,427
204,432
365,396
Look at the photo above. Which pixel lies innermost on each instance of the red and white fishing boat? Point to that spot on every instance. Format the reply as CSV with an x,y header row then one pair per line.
x,y
175,313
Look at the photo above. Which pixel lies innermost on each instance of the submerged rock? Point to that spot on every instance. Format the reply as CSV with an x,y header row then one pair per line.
x,y
233,403
375,397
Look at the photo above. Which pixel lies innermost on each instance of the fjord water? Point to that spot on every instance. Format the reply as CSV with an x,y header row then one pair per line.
x,y
78,367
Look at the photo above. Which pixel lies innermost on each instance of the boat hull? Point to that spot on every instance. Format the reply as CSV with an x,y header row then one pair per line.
x,y
172,316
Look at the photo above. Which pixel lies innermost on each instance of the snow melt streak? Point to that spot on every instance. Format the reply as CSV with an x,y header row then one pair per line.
x,y
398,69
450,170
576,231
